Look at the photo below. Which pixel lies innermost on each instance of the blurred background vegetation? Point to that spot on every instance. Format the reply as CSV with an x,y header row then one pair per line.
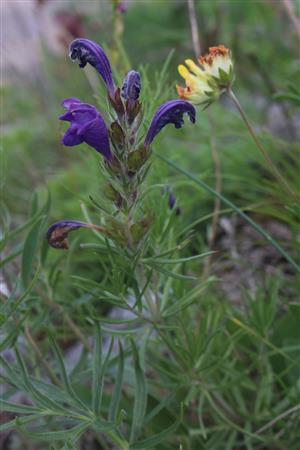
x,y
254,283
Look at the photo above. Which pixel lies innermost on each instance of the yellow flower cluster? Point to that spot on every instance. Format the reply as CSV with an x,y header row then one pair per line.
x,y
205,84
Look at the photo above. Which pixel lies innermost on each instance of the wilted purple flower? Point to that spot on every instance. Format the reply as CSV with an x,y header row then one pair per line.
x,y
86,51
58,232
87,125
131,86
169,112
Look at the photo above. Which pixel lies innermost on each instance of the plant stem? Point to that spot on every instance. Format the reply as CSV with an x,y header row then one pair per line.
x,y
268,160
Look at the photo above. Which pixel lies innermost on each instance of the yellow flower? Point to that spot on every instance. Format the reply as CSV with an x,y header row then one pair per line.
x,y
205,84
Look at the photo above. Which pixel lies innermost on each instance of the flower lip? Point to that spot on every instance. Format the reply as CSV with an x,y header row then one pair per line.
x,y
86,125
170,112
58,232
85,51
131,86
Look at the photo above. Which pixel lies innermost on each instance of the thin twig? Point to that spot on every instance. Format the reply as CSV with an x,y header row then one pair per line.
x,y
194,28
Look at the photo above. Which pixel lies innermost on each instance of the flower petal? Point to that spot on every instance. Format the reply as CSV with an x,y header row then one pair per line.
x,y
87,125
71,137
86,51
170,112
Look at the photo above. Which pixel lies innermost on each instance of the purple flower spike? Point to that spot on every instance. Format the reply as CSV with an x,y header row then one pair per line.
x,y
169,112
87,125
85,51
131,86
58,232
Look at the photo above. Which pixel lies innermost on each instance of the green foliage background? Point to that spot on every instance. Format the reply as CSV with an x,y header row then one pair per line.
x,y
220,369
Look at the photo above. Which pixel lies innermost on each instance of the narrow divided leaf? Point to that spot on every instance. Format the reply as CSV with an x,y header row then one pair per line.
x,y
64,375
115,399
97,363
30,249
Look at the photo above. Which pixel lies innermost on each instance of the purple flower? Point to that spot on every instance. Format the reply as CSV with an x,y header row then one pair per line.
x,y
58,232
86,51
169,112
121,7
131,86
87,125
172,203
172,200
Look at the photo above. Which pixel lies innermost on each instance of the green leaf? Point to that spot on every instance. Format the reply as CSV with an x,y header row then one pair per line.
x,y
187,300
34,204
40,398
178,260
171,274
140,396
157,439
71,433
18,421
97,363
103,371
30,249
11,306
64,376
21,409
11,337
102,426
115,399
